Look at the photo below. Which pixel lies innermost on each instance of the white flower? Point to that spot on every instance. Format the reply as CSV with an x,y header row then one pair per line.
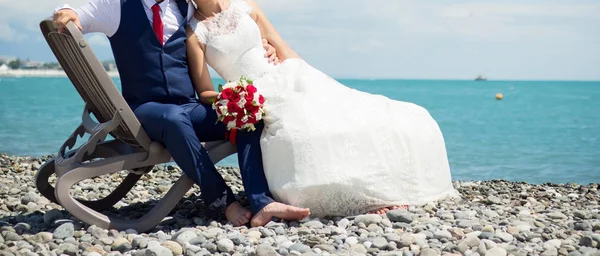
x,y
223,102
229,85
258,115
249,127
223,110
242,102
231,125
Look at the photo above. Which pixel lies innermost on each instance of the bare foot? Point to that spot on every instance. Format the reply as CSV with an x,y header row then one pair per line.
x,y
278,210
384,210
237,215
395,207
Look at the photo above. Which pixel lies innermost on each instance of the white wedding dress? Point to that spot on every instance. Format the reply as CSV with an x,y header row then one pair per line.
x,y
327,147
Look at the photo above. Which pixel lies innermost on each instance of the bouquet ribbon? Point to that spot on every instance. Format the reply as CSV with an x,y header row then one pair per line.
x,y
231,136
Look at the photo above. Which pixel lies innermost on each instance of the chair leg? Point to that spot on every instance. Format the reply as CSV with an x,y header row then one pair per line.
x,y
104,150
47,190
93,217
41,181
217,152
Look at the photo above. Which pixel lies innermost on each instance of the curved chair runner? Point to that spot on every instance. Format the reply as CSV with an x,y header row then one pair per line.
x,y
131,149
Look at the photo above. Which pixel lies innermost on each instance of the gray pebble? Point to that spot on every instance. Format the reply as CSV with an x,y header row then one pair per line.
x,y
314,224
492,218
583,226
429,252
184,237
301,248
343,223
498,251
504,236
225,245
379,243
68,249
368,219
63,231
582,214
400,215
265,250
557,215
139,242
158,251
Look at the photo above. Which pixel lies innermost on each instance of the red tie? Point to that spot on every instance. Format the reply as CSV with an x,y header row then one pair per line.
x,y
157,23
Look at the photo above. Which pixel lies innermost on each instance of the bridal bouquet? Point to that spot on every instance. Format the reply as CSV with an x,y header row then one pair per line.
x,y
239,105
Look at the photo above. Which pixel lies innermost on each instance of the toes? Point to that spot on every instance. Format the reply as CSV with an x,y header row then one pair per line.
x,y
241,221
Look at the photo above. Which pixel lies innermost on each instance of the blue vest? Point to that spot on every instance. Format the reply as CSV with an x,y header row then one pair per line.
x,y
150,72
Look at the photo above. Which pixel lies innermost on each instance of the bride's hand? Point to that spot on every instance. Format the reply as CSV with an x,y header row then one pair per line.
x,y
208,97
271,53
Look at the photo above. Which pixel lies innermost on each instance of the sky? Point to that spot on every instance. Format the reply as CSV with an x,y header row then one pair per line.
x,y
433,39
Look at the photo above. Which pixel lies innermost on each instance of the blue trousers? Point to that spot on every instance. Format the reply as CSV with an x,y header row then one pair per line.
x,y
181,128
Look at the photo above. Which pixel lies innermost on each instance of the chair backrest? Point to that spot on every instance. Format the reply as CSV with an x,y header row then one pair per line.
x,y
92,82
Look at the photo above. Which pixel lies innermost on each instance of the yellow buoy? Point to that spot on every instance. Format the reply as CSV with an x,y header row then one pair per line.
x,y
499,96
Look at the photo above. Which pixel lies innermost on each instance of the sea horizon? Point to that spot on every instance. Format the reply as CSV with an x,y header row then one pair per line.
x,y
46,73
541,131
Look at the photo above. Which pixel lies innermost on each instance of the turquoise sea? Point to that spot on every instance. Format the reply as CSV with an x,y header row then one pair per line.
x,y
541,131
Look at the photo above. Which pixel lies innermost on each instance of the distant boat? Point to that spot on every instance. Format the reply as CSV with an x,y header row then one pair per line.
x,y
481,78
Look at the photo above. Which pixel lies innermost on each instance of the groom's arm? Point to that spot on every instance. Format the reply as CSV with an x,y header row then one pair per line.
x,y
101,16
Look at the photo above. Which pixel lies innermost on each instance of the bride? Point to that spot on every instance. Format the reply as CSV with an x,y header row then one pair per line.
x,y
326,147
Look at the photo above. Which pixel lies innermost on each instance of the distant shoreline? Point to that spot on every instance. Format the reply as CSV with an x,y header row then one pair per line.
x,y
41,73
115,74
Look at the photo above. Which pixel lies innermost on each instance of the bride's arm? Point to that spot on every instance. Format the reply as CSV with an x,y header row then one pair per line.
x,y
198,69
270,33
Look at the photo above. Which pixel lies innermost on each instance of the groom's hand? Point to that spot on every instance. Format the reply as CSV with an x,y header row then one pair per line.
x,y
63,16
271,52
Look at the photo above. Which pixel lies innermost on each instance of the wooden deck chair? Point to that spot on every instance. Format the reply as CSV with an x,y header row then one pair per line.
x,y
131,150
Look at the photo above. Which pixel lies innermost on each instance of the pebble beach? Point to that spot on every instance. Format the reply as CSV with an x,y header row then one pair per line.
x,y
491,218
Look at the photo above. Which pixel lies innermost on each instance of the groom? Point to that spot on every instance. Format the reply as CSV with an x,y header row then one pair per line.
x,y
148,40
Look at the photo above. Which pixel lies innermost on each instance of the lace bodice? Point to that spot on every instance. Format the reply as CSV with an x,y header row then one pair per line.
x,y
233,43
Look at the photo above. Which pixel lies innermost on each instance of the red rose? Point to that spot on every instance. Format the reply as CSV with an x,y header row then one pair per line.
x,y
251,89
249,97
232,107
252,119
228,119
261,99
239,123
226,93
252,109
239,88
240,112
235,97
248,104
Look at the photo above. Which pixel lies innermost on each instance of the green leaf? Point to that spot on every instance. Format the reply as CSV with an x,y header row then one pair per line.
x,y
220,87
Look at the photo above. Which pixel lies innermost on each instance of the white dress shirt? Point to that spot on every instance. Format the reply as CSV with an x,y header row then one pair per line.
x,y
104,16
